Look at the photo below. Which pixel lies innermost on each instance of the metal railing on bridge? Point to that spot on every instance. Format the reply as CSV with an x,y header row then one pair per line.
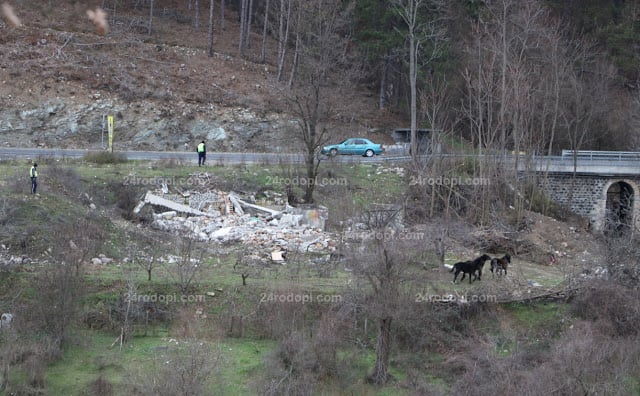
x,y
601,155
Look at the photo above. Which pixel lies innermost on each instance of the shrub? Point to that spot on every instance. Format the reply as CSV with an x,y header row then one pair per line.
x,y
612,306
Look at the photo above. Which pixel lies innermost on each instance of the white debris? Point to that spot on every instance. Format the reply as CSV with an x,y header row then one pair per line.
x,y
226,217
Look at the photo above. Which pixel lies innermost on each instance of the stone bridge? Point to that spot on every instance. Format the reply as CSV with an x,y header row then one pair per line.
x,y
601,186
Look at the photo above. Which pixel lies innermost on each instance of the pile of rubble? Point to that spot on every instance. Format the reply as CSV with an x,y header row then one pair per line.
x,y
223,217
9,261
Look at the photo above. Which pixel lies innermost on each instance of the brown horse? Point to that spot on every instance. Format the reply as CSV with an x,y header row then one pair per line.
x,y
500,264
470,268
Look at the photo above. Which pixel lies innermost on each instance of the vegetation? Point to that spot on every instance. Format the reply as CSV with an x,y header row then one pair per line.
x,y
77,329
105,304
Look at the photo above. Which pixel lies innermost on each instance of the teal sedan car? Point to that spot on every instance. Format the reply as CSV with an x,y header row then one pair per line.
x,y
354,146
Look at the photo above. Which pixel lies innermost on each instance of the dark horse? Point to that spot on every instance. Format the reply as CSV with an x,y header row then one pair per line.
x,y
470,268
500,264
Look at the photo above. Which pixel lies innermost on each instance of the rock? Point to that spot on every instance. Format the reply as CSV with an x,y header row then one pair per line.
x,y
5,320
96,261
221,233
290,220
169,214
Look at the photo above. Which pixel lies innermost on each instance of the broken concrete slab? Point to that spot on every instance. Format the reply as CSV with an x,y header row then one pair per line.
x,y
272,212
153,199
277,256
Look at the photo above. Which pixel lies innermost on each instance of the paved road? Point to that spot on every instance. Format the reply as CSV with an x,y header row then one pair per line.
x,y
213,158
554,164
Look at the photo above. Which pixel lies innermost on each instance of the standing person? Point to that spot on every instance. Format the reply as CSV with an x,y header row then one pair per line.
x,y
202,153
34,177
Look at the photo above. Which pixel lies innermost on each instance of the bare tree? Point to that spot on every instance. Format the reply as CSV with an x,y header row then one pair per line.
x,y
418,32
187,265
186,369
283,34
324,66
583,104
383,262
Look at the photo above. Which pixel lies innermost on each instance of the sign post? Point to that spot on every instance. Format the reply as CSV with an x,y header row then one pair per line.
x,y
104,125
110,128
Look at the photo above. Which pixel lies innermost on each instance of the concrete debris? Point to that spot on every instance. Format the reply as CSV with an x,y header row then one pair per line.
x,y
277,256
597,272
101,260
5,320
9,261
227,217
153,199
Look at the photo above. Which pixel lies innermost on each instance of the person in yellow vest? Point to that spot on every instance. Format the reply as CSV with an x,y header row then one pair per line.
x,y
34,177
202,153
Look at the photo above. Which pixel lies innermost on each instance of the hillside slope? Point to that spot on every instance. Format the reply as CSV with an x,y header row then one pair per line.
x,y
59,78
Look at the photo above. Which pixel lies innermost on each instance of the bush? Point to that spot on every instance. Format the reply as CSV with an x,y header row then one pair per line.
x,y
612,306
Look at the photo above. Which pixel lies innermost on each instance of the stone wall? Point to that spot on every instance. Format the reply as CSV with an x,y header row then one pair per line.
x,y
588,191
589,198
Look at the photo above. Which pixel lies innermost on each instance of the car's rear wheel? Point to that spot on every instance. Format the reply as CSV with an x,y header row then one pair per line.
x,y
333,152
369,153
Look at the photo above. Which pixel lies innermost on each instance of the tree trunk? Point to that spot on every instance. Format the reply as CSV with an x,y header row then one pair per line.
x,y
383,82
412,81
263,55
236,326
243,18
210,45
221,15
150,16
247,33
296,53
380,374
311,175
283,34
197,15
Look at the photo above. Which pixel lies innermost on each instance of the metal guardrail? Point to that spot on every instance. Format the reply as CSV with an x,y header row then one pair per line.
x,y
601,155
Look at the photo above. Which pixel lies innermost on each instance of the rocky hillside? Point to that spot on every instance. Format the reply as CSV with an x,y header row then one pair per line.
x,y
59,78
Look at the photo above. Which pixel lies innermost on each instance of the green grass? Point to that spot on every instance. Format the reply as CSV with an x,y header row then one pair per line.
x,y
244,358
81,364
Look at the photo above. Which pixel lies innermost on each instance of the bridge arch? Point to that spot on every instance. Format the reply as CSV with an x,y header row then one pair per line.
x,y
619,209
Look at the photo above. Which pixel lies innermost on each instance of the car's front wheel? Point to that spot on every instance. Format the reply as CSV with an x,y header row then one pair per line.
x,y
369,153
333,152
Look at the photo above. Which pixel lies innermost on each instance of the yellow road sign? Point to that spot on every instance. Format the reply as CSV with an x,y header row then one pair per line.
x,y
110,128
